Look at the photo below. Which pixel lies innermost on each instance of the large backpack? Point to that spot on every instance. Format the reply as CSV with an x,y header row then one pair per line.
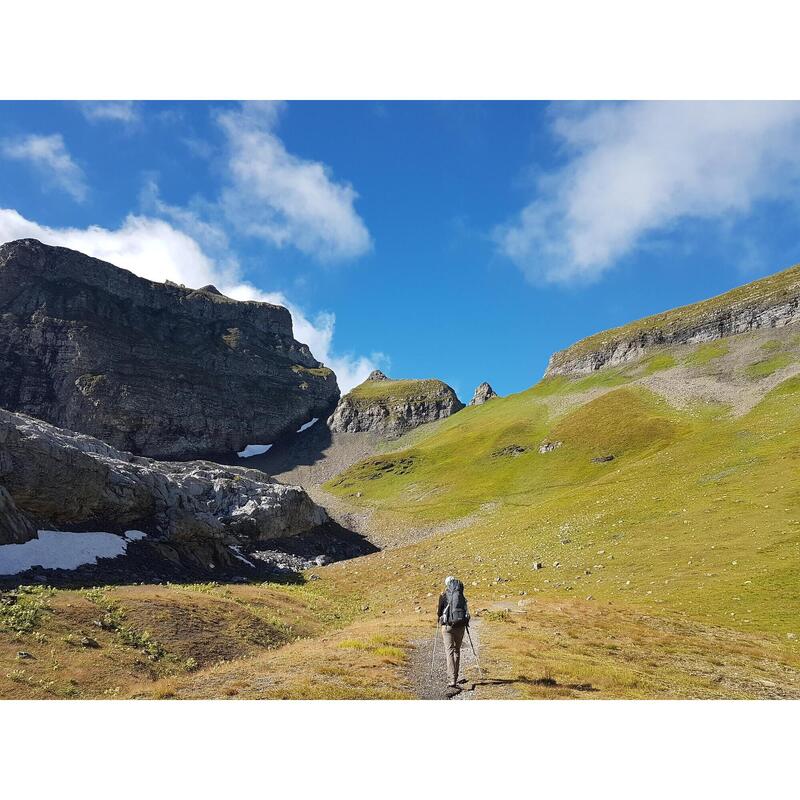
x,y
455,611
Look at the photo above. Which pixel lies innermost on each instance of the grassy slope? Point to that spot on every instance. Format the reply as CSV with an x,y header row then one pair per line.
x,y
688,494
371,392
780,285
677,569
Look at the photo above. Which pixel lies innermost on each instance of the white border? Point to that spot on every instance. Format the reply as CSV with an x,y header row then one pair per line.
x,y
652,749
422,49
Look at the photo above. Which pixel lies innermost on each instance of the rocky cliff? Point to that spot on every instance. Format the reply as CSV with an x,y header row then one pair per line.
x,y
768,303
66,481
483,392
155,369
392,407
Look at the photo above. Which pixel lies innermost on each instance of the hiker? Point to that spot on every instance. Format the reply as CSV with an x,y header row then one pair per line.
x,y
454,619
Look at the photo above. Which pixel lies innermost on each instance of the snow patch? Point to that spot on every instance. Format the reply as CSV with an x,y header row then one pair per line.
x,y
63,550
254,450
237,553
305,426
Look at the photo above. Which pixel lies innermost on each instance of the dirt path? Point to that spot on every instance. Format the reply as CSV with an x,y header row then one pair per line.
x,y
432,684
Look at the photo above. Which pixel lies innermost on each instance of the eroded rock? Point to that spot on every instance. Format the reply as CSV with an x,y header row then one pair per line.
x,y
152,368
483,392
392,407
68,481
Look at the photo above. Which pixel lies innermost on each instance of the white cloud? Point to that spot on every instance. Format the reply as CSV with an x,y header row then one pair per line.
x,y
48,155
157,250
125,111
283,199
634,169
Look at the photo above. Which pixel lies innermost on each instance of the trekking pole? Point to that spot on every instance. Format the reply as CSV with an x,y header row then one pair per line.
x,y
477,660
433,654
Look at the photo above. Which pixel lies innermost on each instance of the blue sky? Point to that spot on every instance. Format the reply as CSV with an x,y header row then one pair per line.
x,y
465,241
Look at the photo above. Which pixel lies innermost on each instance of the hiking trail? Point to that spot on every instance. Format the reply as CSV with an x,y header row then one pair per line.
x,y
432,684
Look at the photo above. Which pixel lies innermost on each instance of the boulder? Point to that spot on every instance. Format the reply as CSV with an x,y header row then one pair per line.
x,y
152,368
69,481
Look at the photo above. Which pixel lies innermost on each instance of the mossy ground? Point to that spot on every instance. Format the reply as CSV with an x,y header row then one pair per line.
x,y
388,391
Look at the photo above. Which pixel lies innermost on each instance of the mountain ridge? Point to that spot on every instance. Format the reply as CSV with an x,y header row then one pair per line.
x,y
773,301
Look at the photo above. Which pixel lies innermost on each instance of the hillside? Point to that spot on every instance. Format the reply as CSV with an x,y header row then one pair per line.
x,y
629,533
771,302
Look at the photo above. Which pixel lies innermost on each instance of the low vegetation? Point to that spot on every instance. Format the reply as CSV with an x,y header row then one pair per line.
x,y
370,392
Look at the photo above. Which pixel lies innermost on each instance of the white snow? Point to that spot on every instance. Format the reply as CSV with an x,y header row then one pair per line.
x,y
254,450
237,553
306,425
63,550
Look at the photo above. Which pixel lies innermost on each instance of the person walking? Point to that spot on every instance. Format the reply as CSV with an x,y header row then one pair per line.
x,y
453,616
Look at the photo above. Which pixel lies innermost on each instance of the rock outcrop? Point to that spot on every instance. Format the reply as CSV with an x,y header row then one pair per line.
x,y
155,369
390,407
66,481
767,303
15,526
483,393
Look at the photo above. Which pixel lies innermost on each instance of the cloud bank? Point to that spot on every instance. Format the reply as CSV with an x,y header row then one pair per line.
x,y
124,111
276,196
49,156
155,249
635,169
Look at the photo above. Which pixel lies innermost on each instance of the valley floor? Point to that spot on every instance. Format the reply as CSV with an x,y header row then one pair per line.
x,y
669,571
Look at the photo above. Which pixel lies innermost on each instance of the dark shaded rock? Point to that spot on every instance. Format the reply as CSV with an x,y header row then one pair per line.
x,y
512,450
152,368
482,393
602,459
15,526
377,375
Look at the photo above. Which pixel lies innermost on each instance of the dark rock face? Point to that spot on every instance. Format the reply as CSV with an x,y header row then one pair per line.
x,y
67,481
15,526
483,393
155,369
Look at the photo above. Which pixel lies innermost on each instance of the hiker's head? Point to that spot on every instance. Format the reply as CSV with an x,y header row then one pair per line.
x,y
448,580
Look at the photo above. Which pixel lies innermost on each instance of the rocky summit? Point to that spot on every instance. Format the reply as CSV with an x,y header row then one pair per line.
x,y
66,481
392,407
152,368
483,392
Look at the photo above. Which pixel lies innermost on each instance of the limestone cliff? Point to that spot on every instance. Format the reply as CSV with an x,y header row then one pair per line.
x,y
392,407
156,369
767,303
